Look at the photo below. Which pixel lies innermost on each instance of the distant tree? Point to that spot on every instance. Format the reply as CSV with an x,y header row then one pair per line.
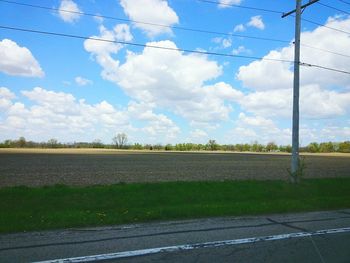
x,y
137,146
212,145
120,140
271,147
257,147
52,143
313,147
286,148
97,144
344,147
169,147
21,142
327,147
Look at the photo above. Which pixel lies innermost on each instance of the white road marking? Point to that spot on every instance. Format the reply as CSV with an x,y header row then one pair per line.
x,y
144,252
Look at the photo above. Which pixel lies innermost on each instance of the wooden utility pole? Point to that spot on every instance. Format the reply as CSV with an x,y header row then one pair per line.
x,y
295,164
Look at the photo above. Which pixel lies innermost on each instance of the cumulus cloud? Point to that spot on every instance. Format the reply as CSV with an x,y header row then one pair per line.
x,y
315,102
61,115
158,125
240,50
103,51
150,11
223,42
271,81
82,81
174,81
250,128
239,28
18,61
73,14
257,22
6,97
198,135
227,3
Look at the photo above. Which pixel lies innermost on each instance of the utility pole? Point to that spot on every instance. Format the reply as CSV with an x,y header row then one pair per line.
x,y
295,165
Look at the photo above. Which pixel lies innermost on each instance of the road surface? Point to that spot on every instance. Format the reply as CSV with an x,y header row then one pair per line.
x,y
302,237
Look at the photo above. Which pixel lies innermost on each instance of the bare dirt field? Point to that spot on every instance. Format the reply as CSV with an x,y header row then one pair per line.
x,y
38,167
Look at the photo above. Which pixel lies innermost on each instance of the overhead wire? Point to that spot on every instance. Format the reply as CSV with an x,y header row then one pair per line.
x,y
272,11
325,50
321,25
168,48
145,23
167,26
323,67
140,45
333,8
345,2
242,6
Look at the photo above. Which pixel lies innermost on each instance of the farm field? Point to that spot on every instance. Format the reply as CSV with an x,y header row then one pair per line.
x,y
82,167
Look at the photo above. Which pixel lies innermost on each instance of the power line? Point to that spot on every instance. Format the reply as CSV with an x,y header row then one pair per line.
x,y
348,3
276,12
145,23
167,48
142,45
325,50
326,68
321,25
167,26
333,8
242,6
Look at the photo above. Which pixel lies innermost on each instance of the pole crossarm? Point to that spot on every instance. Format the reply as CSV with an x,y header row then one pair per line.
x,y
302,7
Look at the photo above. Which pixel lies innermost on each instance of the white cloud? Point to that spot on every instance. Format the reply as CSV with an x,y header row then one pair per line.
x,y
98,18
18,61
82,81
226,43
256,121
315,103
73,14
264,75
157,124
272,81
223,42
150,11
268,75
58,113
240,50
257,128
227,3
175,81
6,97
198,135
61,115
257,22
239,28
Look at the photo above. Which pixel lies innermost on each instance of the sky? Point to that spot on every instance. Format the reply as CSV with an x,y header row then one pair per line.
x,y
76,89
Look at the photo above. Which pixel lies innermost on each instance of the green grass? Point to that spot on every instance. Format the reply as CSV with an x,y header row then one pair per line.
x,y
28,209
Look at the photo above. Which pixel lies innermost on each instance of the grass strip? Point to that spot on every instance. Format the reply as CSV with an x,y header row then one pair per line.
x,y
53,207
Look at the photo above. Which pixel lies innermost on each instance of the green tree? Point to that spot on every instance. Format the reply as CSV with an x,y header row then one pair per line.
x,y
313,147
52,143
271,147
344,147
212,145
327,147
21,142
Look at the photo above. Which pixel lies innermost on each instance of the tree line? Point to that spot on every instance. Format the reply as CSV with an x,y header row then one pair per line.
x,y
121,142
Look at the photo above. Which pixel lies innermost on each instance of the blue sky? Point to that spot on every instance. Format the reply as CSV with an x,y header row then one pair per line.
x,y
83,90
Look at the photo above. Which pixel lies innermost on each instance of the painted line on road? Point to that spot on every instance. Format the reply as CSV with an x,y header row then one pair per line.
x,y
150,251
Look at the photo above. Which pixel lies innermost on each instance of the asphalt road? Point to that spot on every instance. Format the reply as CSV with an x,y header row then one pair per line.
x,y
303,237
